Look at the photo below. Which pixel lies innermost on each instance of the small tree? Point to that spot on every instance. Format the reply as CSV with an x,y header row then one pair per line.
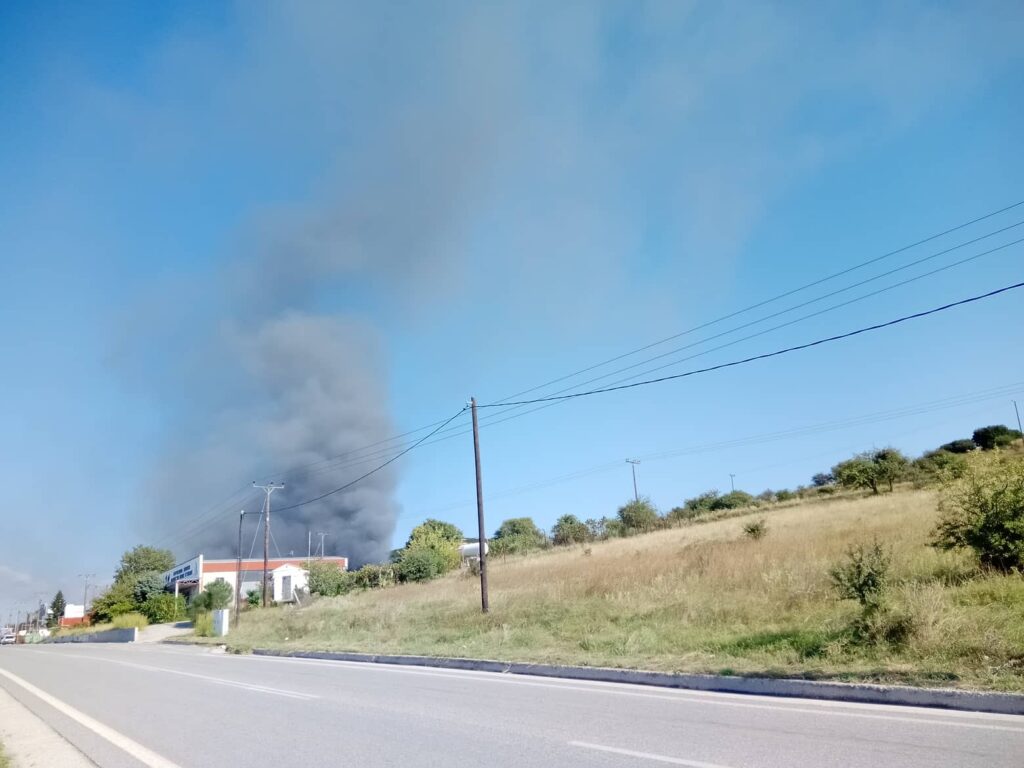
x,y
216,596
863,576
995,436
568,529
57,606
940,465
822,479
871,470
638,516
702,503
444,538
518,534
984,511
373,576
142,559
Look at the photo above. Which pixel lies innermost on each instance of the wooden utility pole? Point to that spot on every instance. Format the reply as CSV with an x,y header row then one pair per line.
x,y
484,605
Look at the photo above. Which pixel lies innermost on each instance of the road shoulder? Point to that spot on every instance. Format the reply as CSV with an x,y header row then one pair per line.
x,y
31,743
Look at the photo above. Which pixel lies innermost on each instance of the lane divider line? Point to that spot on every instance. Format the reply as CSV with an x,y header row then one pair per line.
x,y
645,755
144,755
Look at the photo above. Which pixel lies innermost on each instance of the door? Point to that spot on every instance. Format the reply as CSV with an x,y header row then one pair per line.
x,y
286,589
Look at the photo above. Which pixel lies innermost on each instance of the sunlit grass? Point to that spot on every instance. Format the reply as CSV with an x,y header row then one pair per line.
x,y
703,598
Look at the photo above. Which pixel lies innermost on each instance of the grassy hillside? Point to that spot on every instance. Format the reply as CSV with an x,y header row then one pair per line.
x,y
702,598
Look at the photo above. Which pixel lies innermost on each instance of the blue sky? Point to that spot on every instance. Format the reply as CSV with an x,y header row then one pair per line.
x,y
243,237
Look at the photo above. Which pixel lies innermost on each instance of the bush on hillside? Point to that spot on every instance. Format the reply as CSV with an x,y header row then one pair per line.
x,y
253,598
784,495
328,580
702,503
767,496
755,529
516,535
939,466
373,576
984,511
568,529
959,446
437,535
638,517
683,514
733,500
597,527
995,436
421,564
863,575
164,607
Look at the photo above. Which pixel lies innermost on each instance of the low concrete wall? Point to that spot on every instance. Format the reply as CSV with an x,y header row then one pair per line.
x,y
106,636
943,698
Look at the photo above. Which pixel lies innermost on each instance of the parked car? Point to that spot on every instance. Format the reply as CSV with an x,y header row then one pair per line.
x,y
7,638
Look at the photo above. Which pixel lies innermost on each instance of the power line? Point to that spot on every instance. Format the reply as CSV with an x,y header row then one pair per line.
x,y
775,298
328,464
375,469
954,401
766,355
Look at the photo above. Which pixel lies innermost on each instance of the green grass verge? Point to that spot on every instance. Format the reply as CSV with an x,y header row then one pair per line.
x,y
703,598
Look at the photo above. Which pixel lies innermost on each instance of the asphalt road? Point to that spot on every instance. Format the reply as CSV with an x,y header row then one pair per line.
x,y
181,706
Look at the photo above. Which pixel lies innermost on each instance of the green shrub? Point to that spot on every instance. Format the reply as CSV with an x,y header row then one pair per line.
x,y
701,503
146,584
375,576
684,514
784,495
995,436
938,466
568,529
115,601
822,479
421,564
327,579
959,446
253,598
872,469
984,511
863,576
755,529
444,538
129,620
202,623
638,517
732,500
163,607
518,534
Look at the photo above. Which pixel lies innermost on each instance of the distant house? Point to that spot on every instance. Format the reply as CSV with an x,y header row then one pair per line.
x,y
73,615
286,575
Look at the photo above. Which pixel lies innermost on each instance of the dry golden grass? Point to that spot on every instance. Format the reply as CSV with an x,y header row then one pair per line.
x,y
698,598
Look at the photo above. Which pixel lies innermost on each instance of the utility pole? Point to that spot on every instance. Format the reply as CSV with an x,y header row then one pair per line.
x,y
322,534
85,593
732,482
634,462
484,603
238,572
1019,427
268,489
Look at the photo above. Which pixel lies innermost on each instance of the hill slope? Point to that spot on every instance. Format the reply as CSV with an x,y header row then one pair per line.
x,y
702,598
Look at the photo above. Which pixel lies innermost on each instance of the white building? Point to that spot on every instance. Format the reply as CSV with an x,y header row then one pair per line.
x,y
286,574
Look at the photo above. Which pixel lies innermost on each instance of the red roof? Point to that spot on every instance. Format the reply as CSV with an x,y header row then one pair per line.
x,y
256,564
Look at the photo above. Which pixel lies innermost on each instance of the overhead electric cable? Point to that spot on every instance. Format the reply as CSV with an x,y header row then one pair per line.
x,y
765,355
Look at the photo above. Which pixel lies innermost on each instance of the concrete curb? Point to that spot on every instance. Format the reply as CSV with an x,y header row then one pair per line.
x,y
942,698
107,636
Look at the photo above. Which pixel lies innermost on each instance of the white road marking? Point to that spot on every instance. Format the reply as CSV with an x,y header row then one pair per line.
x,y
143,754
196,675
781,705
645,755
